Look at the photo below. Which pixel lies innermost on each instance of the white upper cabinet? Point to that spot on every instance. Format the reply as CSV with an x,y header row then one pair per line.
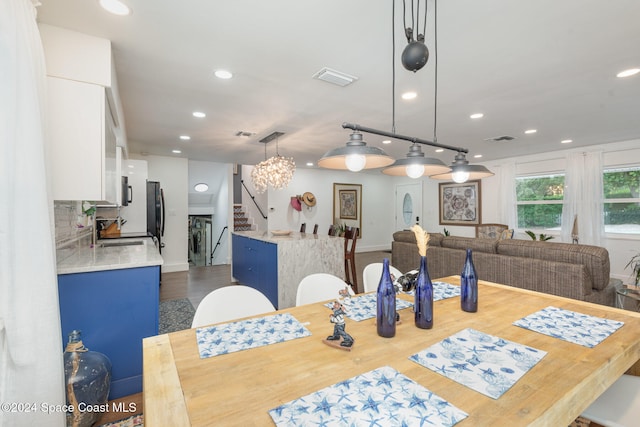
x,y
81,145
85,124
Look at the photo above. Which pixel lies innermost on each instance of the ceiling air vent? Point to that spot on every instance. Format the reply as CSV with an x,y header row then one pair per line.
x,y
502,138
244,134
336,77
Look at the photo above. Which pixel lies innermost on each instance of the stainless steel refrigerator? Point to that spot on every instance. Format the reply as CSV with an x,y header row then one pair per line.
x,y
155,212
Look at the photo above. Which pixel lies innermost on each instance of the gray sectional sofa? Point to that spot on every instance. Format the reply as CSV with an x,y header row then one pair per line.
x,y
574,271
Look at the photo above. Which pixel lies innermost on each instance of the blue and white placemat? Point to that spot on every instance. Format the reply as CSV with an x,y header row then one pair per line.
x,y
382,397
576,328
442,290
245,334
482,362
364,307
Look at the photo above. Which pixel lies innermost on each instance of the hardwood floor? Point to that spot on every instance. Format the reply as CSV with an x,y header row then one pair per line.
x,y
196,283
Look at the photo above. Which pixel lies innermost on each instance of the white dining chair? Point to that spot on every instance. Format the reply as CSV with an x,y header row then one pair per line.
x,y
619,405
230,302
320,287
372,273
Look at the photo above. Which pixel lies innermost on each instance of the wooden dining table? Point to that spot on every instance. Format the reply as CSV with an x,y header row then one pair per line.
x,y
182,389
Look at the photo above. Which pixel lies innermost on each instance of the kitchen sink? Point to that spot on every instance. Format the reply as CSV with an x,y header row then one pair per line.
x,y
113,244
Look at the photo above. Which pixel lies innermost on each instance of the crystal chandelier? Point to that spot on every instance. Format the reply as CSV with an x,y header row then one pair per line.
x,y
276,171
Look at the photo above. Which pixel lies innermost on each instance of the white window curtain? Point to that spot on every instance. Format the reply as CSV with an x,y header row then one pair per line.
x,y
507,195
582,204
31,368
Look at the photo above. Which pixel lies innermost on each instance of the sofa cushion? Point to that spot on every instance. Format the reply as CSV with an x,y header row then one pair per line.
x,y
410,237
594,258
480,245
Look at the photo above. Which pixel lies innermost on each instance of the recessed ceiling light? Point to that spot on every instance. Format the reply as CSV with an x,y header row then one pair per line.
x,y
629,72
176,151
566,141
223,74
409,95
199,114
185,137
477,156
386,141
201,187
530,131
115,6
309,164
477,116
131,166
439,150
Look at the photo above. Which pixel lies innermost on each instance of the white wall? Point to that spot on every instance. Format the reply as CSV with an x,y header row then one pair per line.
x,y
377,205
173,175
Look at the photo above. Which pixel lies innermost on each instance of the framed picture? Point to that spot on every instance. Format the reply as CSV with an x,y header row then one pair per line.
x,y
460,203
347,205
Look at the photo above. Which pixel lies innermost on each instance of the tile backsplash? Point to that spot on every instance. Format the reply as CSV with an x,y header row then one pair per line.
x,y
69,224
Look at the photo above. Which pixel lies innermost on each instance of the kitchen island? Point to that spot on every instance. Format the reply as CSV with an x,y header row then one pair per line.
x,y
275,264
111,294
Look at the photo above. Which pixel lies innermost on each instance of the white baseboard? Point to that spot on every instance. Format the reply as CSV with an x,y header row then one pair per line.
x,y
372,248
170,268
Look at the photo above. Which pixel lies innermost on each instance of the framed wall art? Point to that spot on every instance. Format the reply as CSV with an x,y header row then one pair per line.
x,y
460,204
347,205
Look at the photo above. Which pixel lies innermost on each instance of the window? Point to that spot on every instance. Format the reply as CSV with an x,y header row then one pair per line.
x,y
539,201
622,200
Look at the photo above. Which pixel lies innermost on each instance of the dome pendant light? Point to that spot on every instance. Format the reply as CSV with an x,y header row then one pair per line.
x,y
462,171
416,165
355,156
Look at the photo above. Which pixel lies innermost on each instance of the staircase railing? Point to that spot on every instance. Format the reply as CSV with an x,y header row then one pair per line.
x,y
217,244
253,198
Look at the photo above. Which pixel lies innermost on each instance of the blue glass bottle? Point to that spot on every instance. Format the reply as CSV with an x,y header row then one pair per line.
x,y
469,286
386,300
423,303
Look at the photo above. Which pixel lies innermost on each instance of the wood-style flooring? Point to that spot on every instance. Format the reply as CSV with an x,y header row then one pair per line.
x,y
196,283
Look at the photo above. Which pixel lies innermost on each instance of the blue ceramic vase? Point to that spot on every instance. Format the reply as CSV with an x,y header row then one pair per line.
x,y
386,303
423,303
87,377
469,285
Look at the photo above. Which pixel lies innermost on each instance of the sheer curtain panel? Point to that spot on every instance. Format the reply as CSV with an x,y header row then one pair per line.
x,y
31,369
583,198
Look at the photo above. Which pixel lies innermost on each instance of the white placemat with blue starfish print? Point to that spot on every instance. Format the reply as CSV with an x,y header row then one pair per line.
x,y
364,307
484,363
442,290
577,328
245,334
382,397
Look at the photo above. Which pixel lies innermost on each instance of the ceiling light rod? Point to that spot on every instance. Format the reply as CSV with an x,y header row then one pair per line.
x,y
404,137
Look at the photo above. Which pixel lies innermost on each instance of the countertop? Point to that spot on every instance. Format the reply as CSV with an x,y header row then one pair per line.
x,y
268,236
84,259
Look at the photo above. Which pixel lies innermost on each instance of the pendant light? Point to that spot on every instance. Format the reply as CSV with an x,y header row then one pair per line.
x,y
355,156
415,164
462,171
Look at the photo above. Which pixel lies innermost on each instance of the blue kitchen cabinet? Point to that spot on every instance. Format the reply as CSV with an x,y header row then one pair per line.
x,y
115,310
255,264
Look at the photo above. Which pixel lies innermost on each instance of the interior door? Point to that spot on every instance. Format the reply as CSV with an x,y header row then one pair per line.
x,y
408,205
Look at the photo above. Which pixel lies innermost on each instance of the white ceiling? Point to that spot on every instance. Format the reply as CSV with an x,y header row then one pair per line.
x,y
544,64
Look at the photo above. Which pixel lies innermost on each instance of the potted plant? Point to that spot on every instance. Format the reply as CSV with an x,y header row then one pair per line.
x,y
542,237
634,263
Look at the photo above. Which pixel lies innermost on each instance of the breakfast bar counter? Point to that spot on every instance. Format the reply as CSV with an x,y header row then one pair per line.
x,y
275,264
